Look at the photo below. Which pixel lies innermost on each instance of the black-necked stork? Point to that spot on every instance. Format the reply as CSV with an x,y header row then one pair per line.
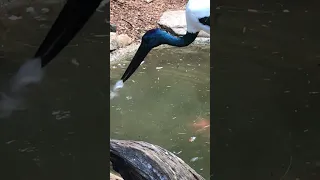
x,y
197,17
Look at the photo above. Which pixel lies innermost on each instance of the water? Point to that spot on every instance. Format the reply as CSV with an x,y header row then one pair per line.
x,y
161,101
266,110
59,130
114,91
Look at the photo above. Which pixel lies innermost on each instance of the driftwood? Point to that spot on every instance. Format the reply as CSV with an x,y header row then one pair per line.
x,y
137,160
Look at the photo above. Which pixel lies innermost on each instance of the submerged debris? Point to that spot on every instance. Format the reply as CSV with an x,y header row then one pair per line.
x,y
61,114
13,17
194,159
129,97
30,10
45,10
9,142
75,62
192,139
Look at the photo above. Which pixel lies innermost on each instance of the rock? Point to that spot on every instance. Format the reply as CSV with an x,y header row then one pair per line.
x,y
148,1
124,40
175,22
119,41
113,41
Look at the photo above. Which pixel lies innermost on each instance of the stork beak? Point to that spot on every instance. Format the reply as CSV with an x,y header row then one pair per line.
x,y
70,21
136,61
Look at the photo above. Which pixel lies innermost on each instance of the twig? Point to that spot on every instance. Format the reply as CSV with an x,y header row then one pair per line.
x,y
127,22
287,168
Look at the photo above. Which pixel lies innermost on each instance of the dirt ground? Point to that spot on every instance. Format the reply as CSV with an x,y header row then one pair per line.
x,y
134,17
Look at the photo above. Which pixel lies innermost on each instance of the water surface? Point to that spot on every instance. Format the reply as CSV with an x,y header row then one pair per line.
x,y
162,100
266,92
61,130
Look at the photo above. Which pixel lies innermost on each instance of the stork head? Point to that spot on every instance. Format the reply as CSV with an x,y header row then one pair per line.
x,y
151,39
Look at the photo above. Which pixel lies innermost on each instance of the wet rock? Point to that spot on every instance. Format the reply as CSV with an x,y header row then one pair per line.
x,y
148,1
175,22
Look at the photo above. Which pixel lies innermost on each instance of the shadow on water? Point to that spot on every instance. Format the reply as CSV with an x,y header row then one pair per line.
x,y
56,136
266,82
163,99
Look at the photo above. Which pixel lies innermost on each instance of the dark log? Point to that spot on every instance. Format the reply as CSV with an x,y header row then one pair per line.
x,y
137,160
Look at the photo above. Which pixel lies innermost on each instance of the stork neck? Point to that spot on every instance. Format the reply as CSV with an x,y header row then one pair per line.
x,y
185,40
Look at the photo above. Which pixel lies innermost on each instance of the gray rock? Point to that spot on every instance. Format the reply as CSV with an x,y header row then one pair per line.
x,y
175,22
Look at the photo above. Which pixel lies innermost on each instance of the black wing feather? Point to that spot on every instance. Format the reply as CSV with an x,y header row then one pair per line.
x,y
205,21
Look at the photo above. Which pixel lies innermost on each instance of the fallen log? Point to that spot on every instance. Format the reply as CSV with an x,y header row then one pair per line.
x,y
138,160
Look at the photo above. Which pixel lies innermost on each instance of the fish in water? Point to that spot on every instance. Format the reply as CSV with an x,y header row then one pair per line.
x,y
201,126
115,89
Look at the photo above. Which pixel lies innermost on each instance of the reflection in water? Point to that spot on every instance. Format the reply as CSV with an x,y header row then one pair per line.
x,y
59,133
29,73
166,102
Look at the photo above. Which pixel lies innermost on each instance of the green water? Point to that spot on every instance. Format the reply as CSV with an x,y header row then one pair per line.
x,y
161,101
266,81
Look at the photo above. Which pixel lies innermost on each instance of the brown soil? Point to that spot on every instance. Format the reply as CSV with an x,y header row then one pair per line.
x,y
135,17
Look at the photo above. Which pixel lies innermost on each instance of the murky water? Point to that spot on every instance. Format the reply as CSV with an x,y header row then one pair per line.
x,y
163,99
61,130
266,92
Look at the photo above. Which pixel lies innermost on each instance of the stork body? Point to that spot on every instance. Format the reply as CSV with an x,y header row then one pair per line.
x,y
197,17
